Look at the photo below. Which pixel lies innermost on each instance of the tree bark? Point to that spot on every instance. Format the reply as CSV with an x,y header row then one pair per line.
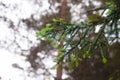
x,y
60,65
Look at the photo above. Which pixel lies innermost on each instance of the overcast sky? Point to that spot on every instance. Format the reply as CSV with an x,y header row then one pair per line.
x,y
14,11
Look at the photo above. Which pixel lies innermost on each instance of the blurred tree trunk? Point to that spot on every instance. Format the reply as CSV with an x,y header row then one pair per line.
x,y
63,9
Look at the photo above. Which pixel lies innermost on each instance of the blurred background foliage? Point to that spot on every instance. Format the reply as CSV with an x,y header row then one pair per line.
x,y
76,12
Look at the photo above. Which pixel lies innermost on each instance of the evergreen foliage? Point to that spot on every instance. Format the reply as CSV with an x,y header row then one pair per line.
x,y
81,40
